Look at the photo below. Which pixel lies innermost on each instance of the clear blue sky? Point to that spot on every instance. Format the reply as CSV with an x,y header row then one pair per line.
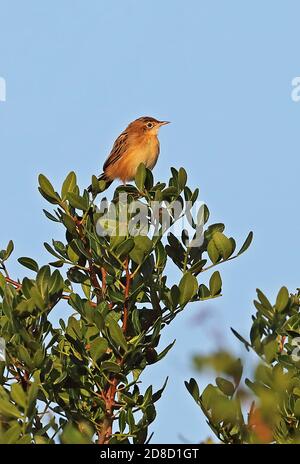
x,y
77,72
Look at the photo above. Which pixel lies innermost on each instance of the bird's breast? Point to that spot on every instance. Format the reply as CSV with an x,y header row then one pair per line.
x,y
141,150
148,151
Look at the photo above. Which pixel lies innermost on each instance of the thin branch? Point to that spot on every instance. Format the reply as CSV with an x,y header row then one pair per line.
x,y
103,274
16,284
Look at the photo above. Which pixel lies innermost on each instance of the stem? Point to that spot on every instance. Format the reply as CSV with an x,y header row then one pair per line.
x,y
13,282
218,263
103,274
186,259
105,429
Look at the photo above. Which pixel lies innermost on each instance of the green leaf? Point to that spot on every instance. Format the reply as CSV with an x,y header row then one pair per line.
x,y
241,339
72,436
188,287
140,177
117,335
225,386
2,282
11,435
27,285
9,250
182,178
135,318
42,280
142,248
9,410
212,229
29,263
297,408
58,263
25,356
202,215
56,283
61,378
50,216
130,420
197,267
247,243
175,296
72,255
282,299
69,224
77,201
18,395
264,301
204,292
270,350
37,298
47,188
124,248
102,185
213,252
110,366
149,180
68,185
98,348
95,184
38,358
24,440
223,244
193,389
169,193
165,351
215,283
51,251
79,247
208,396
122,421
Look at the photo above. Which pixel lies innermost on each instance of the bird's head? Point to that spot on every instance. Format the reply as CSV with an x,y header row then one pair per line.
x,y
147,125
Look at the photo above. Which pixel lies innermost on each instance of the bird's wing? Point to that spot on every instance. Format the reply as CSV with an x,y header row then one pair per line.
x,y
119,148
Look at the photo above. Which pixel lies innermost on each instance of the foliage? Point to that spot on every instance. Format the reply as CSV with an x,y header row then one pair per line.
x,y
80,382
274,394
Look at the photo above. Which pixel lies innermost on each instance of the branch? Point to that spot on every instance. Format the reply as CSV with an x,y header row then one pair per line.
x,y
14,283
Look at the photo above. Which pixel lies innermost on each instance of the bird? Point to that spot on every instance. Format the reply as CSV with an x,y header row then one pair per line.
x,y
137,144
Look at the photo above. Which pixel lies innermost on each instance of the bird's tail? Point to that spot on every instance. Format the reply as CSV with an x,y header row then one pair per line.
x,y
101,177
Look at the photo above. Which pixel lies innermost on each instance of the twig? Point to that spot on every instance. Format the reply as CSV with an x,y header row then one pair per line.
x,y
16,284
103,274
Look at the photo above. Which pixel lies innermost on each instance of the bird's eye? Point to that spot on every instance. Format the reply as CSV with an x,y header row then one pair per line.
x,y
149,125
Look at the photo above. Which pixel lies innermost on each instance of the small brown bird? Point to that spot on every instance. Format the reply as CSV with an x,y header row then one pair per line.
x,y
137,144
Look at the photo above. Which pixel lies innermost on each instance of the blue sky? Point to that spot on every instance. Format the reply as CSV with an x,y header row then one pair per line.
x,y
77,72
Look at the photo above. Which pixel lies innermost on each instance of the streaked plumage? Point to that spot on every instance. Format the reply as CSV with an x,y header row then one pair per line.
x,y
138,143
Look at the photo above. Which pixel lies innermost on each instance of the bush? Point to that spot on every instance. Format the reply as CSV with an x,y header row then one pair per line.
x,y
80,382
274,395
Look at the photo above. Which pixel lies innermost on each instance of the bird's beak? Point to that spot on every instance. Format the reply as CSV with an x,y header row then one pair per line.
x,y
163,123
